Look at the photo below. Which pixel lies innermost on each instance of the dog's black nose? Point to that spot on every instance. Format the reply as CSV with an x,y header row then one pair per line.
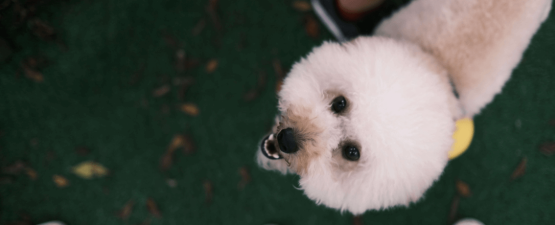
x,y
286,141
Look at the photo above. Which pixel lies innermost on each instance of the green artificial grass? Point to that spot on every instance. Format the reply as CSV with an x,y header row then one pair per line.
x,y
98,93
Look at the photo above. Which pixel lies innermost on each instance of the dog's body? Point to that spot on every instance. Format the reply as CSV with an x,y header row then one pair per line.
x,y
478,42
387,141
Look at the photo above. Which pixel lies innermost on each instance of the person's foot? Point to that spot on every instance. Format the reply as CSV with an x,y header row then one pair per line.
x,y
346,24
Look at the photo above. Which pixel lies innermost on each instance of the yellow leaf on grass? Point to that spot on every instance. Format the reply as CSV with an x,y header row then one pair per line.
x,y
60,181
90,169
190,109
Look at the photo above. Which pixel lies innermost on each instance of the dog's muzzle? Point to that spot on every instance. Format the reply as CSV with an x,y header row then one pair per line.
x,y
268,148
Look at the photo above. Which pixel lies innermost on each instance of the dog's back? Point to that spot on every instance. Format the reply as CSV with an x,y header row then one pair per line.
x,y
479,42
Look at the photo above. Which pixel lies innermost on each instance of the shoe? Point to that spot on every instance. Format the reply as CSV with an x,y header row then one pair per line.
x,y
345,30
468,221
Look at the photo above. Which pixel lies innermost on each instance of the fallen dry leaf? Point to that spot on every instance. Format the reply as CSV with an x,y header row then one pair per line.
x,y
90,169
208,190
31,66
31,173
548,148
211,65
520,169
245,177
166,161
463,189
311,26
212,10
32,74
153,208
60,181
357,220
126,210
453,211
199,27
42,29
182,141
15,168
177,142
161,91
302,6
190,109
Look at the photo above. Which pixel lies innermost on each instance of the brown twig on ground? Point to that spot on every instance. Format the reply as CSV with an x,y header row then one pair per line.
x,y
161,91
199,27
126,210
548,149
212,10
453,211
208,190
153,208
245,177
520,169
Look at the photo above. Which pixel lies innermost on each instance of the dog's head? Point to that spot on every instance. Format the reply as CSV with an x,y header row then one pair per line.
x,y
366,125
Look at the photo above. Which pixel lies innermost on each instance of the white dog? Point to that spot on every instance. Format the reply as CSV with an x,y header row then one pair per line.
x,y
367,124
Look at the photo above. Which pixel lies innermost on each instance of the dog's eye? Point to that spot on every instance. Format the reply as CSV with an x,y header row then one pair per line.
x,y
351,153
339,104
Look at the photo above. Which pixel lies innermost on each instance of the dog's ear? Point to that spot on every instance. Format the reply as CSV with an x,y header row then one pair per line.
x,y
479,42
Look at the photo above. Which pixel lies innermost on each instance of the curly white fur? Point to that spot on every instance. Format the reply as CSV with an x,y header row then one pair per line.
x,y
402,107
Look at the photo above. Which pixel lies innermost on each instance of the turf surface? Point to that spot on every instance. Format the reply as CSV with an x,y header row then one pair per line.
x,y
98,94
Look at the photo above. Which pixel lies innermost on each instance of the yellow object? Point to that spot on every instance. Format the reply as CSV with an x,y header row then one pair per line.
x,y
463,137
89,170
